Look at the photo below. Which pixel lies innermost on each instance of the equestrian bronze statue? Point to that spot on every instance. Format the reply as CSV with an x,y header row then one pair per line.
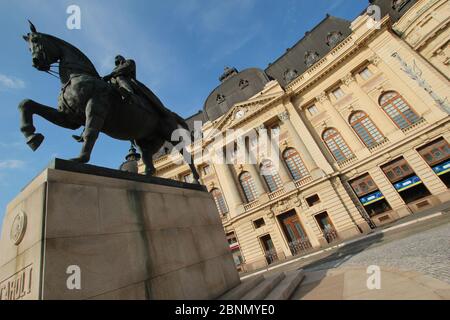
x,y
122,108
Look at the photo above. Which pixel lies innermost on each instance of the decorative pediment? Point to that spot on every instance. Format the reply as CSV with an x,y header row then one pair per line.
x,y
242,111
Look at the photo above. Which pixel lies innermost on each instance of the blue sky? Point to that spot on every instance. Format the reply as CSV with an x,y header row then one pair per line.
x,y
180,48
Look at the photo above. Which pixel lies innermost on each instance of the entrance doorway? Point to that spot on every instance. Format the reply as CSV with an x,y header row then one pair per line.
x,y
295,234
325,224
269,249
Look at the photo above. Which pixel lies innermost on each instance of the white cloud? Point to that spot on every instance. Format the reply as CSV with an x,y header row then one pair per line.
x,y
11,164
11,82
13,145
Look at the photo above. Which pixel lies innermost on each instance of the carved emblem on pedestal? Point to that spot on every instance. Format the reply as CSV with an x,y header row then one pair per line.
x,y
18,228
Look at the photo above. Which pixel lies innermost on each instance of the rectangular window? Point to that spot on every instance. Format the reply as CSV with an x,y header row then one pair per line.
x,y
259,223
365,73
206,170
313,110
397,170
189,178
369,195
437,156
405,181
338,93
313,200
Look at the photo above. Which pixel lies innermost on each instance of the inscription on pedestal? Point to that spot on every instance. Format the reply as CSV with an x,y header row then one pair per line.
x,y
17,286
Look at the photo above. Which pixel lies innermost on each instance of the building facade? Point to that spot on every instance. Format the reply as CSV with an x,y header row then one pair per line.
x,y
362,116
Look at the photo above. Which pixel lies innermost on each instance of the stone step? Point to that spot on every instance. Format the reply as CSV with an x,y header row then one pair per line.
x,y
242,289
264,288
285,289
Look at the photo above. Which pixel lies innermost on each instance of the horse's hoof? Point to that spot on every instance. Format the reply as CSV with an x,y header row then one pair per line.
x,y
35,140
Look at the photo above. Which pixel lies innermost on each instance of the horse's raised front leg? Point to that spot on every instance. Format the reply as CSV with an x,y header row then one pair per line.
x,y
95,118
28,108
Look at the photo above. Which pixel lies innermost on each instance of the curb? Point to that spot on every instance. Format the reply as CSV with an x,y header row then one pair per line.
x,y
343,244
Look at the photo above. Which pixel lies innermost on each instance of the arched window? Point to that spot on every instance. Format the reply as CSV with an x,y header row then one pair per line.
x,y
248,186
271,176
398,110
365,128
220,201
337,146
295,164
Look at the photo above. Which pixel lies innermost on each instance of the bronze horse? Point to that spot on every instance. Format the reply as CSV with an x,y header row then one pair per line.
x,y
87,100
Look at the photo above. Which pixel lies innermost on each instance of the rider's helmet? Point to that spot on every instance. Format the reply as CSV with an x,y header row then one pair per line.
x,y
119,59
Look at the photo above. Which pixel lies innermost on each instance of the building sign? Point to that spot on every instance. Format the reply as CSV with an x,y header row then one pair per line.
x,y
408,183
442,168
371,198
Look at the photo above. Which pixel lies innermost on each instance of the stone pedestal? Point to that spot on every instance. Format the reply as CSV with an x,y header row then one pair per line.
x,y
84,232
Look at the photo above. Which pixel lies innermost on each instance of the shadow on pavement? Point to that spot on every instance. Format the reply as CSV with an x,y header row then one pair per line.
x,y
316,271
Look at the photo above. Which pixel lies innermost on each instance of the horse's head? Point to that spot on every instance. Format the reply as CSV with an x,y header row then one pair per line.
x,y
43,52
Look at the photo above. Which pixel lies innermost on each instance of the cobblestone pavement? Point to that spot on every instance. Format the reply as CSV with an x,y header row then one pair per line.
x,y
427,252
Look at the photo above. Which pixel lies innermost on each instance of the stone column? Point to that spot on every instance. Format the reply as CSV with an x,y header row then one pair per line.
x,y
282,171
340,123
310,164
257,178
228,185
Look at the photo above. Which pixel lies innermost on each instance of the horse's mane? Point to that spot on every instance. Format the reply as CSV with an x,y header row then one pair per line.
x,y
77,51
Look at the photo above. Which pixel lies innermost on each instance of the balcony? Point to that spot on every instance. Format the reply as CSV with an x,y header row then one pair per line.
x,y
277,193
225,217
271,256
379,145
347,162
302,182
420,123
330,235
251,205
300,246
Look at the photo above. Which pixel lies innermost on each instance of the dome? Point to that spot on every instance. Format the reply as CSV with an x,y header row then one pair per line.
x,y
235,87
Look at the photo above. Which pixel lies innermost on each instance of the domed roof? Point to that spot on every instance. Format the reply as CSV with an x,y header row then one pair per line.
x,y
235,87
394,8
309,49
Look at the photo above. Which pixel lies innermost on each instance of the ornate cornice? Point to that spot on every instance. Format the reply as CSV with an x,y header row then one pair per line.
x,y
348,79
322,97
284,116
375,59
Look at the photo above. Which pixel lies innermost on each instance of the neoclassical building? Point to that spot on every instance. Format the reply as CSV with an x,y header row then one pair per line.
x,y
361,110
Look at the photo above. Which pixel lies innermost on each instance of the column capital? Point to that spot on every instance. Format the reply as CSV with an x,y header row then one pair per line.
x,y
284,116
348,79
260,128
322,97
375,59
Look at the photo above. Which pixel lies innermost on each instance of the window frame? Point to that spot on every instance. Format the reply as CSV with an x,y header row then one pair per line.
x,y
220,201
364,127
338,89
248,185
273,181
333,138
301,170
362,73
390,102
